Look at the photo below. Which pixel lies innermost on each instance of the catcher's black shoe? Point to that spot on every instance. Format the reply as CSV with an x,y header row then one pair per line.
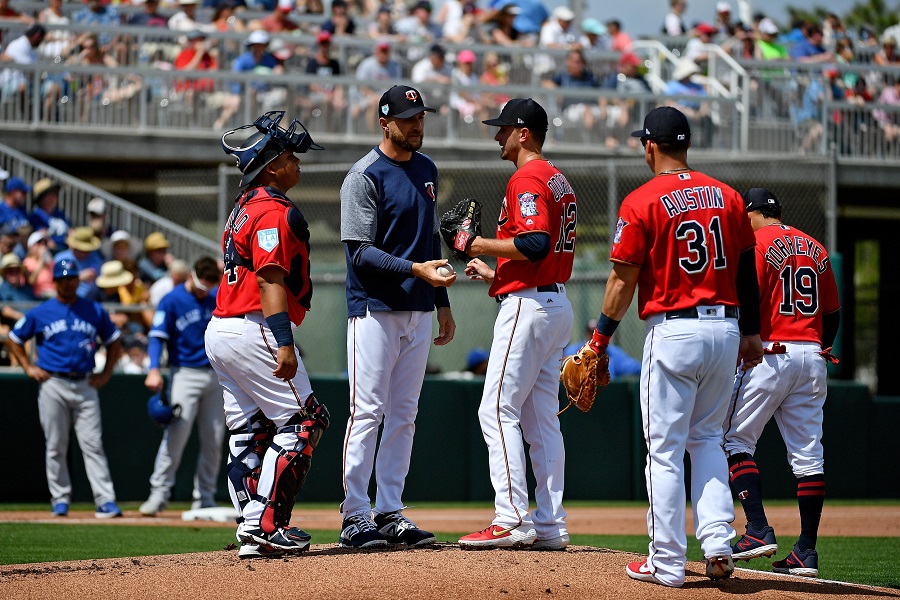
x,y
754,544
359,531
799,562
400,530
289,539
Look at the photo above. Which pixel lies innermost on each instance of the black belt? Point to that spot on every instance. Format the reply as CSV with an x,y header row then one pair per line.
x,y
731,312
69,376
550,287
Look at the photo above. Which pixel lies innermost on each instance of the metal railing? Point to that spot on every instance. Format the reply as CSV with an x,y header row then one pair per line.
x,y
75,194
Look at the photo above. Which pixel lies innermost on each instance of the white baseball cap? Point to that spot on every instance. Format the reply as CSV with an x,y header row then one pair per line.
x,y
36,236
257,37
563,13
97,206
120,236
723,7
768,26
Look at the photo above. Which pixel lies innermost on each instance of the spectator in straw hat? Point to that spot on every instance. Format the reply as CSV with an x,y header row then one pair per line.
x,y
38,265
84,248
46,213
120,286
13,287
156,259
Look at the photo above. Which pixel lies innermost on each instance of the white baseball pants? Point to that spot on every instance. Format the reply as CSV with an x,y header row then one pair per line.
x,y
686,375
520,400
386,357
791,387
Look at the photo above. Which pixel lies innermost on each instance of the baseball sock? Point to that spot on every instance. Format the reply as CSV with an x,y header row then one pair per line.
x,y
810,498
746,484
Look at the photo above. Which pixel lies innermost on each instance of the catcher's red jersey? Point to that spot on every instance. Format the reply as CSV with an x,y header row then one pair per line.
x,y
264,229
538,198
796,284
687,230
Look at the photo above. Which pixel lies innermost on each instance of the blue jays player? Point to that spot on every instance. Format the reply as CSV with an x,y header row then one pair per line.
x,y
180,323
389,223
66,330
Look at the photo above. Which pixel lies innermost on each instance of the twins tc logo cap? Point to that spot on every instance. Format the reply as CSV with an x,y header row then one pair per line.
x,y
665,124
402,102
756,198
521,112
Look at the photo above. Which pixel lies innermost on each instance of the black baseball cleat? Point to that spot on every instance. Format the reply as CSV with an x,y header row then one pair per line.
x,y
359,531
400,530
754,544
799,562
288,539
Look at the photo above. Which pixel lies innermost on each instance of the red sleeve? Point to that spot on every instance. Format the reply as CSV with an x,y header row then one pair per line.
x,y
630,237
270,246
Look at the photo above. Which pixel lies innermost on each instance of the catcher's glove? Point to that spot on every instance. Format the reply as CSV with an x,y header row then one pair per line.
x,y
460,225
584,374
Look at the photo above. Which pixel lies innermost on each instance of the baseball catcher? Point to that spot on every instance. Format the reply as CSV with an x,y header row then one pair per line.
x,y
585,373
460,225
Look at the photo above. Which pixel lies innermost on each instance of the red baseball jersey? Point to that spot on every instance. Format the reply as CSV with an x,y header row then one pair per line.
x,y
538,198
796,285
265,229
686,231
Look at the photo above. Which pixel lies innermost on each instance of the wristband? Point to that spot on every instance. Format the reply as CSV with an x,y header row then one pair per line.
x,y
280,326
599,342
606,326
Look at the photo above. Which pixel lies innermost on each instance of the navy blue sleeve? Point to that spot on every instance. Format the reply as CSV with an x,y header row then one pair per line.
x,y
534,246
367,256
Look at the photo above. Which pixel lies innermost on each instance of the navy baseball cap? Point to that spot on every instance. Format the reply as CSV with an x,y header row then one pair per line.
x,y
665,124
521,112
16,183
66,267
402,102
756,198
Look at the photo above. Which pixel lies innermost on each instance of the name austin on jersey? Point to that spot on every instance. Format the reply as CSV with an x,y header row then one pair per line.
x,y
61,325
795,245
692,198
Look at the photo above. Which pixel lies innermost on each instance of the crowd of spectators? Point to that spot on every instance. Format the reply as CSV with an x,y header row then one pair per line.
x,y
410,40
131,276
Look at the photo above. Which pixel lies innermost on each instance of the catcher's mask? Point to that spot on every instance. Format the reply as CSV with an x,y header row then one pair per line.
x,y
160,410
265,144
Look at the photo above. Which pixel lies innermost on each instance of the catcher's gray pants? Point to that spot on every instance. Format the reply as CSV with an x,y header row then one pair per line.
x,y
61,404
199,394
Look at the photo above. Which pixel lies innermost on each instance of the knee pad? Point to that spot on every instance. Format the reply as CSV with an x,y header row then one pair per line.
x,y
309,424
246,448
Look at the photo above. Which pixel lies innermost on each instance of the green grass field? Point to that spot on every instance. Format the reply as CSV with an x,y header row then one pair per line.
x,y
871,561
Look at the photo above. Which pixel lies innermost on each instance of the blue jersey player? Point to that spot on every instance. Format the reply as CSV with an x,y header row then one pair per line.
x,y
66,330
389,223
180,324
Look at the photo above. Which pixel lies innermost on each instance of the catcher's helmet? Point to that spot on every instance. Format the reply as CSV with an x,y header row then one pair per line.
x,y
265,144
66,267
160,411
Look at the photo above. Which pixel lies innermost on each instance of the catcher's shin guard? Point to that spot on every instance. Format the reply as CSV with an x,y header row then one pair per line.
x,y
246,448
291,454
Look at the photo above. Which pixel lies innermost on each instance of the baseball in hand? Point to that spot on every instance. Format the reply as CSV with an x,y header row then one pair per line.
x,y
445,270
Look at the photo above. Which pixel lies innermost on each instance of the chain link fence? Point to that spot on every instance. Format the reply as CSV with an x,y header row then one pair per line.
x,y
201,200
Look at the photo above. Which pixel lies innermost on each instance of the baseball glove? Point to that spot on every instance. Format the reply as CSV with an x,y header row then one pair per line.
x,y
584,374
460,225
